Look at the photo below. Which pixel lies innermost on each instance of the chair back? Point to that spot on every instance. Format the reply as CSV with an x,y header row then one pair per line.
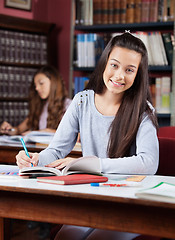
x,y
166,156
168,132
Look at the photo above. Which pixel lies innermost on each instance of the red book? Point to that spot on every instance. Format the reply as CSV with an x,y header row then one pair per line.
x,y
72,179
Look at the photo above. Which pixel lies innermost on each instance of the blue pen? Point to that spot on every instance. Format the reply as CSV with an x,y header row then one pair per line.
x,y
24,146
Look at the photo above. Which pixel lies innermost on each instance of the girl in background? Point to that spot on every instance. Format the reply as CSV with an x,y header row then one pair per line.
x,y
47,103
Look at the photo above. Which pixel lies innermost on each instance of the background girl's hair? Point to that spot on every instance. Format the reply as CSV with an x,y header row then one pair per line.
x,y
55,100
125,125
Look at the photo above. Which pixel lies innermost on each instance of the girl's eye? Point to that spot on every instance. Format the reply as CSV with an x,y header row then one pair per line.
x,y
113,65
129,70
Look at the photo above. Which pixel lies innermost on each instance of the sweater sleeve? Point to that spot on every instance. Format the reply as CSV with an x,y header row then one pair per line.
x,y
64,138
146,159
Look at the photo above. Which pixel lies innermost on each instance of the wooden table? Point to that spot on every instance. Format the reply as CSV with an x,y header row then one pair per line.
x,y
86,206
8,152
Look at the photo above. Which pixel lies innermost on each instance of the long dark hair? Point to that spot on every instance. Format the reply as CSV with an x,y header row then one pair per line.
x,y
135,100
55,100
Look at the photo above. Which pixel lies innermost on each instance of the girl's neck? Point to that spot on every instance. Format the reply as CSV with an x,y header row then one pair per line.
x,y
107,103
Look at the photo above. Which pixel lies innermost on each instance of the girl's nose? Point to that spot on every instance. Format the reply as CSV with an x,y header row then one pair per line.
x,y
120,75
36,88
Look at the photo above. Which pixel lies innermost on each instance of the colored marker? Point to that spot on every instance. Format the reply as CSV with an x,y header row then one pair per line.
x,y
25,149
114,185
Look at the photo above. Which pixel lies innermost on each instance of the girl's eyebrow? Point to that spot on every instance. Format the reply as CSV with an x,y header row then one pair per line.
x,y
113,59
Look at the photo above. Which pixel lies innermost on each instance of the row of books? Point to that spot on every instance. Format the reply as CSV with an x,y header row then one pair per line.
x,y
88,48
80,83
21,47
89,12
159,46
161,94
13,112
15,81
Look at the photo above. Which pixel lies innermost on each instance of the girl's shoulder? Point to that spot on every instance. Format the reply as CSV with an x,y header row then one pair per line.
x,y
83,95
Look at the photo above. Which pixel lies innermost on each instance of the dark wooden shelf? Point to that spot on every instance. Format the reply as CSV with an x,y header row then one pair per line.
x,y
14,99
163,115
150,26
25,25
27,65
151,69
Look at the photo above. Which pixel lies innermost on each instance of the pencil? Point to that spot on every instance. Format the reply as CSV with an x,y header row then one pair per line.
x,y
25,149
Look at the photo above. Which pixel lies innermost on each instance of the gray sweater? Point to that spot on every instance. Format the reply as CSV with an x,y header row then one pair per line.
x,y
82,116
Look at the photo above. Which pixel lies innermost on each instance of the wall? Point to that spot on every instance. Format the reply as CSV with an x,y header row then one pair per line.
x,y
55,11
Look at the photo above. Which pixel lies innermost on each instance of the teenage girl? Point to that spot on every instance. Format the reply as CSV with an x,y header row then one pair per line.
x,y
116,122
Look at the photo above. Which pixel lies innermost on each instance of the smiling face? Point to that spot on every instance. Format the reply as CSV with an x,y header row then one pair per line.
x,y
42,85
121,70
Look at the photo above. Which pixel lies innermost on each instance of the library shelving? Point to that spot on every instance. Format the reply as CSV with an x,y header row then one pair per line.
x,y
24,47
155,70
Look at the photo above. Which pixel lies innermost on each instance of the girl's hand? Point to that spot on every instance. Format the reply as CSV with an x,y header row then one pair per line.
x,y
5,128
60,163
22,160
25,133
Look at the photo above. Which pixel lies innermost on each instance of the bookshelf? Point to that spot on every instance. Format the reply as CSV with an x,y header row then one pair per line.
x,y
106,31
24,47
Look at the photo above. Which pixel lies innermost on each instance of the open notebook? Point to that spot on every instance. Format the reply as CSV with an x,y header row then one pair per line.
x,y
89,164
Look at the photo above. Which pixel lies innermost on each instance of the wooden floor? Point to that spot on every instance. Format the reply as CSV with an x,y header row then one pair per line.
x,y
20,231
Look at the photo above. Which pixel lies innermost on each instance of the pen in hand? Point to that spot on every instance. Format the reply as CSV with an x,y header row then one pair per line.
x,y
25,149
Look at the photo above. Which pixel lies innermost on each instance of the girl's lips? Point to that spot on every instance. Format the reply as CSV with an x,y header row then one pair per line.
x,y
117,83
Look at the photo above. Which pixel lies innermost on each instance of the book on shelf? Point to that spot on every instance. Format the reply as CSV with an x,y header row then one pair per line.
x,y
116,11
162,11
123,6
153,12
104,11
163,191
153,93
163,92
80,83
72,179
168,47
88,165
111,12
97,11
145,10
137,11
130,11
171,10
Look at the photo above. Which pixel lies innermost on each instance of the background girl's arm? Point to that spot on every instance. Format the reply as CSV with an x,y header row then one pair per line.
x,y
65,137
